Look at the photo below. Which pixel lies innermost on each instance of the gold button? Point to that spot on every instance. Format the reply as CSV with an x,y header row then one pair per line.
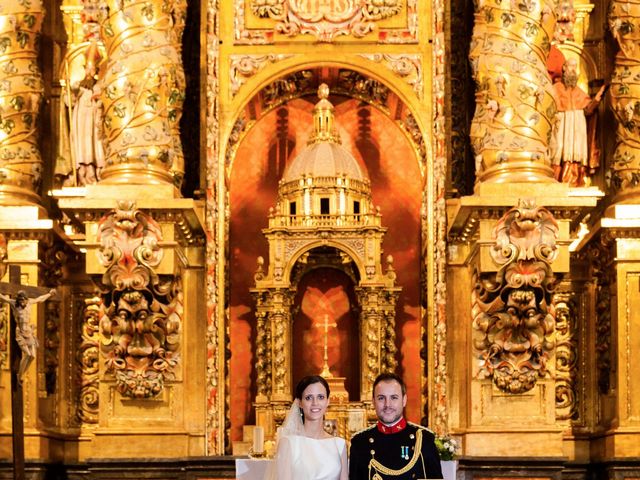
x,y
373,452
370,439
412,436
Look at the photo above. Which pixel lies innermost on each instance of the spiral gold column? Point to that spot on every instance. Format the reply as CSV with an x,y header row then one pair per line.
x,y
143,90
624,20
21,92
514,99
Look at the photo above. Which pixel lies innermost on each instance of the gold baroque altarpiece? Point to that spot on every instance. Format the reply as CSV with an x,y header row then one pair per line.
x,y
522,338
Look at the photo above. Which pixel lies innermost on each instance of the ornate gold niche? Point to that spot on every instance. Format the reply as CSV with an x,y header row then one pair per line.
x,y
324,217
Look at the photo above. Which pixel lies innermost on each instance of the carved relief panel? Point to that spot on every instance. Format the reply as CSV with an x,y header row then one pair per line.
x,y
140,327
267,21
513,312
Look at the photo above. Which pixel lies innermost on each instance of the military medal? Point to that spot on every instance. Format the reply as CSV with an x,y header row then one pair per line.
x,y
404,452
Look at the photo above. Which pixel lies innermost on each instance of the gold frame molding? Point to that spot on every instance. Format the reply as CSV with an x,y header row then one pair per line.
x,y
223,108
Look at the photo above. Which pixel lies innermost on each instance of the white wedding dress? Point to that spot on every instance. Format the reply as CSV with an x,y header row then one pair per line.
x,y
299,457
304,458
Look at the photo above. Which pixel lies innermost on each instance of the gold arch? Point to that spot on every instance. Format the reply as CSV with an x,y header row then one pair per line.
x,y
324,243
252,88
230,111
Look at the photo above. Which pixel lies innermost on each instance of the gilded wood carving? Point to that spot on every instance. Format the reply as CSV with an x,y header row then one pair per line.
x,y
140,328
513,313
143,89
326,20
624,22
21,91
88,360
515,106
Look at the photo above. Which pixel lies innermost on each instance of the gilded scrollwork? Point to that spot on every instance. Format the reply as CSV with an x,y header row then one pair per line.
x,y
141,324
515,106
566,357
292,86
513,312
601,256
624,22
389,348
327,20
214,441
88,360
363,88
263,354
406,66
243,67
21,91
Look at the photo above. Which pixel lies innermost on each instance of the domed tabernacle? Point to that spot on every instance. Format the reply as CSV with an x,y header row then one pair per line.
x,y
324,183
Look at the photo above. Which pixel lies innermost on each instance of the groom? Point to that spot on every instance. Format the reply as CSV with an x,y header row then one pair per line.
x,y
393,448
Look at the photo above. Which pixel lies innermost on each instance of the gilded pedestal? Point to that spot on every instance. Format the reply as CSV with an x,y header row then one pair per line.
x,y
144,251
509,246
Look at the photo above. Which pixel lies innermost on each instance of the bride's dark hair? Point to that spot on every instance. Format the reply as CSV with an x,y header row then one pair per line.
x,y
310,380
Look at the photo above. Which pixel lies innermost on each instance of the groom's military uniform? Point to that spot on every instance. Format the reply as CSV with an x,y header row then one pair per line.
x,y
404,451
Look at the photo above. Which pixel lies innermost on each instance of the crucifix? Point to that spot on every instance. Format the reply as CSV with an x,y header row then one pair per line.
x,y
326,373
23,351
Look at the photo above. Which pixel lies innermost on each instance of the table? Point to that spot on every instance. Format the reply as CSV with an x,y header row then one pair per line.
x,y
251,468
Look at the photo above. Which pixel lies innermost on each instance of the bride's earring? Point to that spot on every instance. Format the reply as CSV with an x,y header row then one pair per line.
x,y
301,413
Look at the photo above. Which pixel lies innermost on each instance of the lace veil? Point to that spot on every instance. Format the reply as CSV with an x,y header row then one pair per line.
x,y
292,425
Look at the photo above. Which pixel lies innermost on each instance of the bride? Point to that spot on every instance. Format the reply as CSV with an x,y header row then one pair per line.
x,y
305,451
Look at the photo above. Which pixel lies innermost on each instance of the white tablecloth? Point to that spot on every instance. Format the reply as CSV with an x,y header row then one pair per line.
x,y
251,468
254,469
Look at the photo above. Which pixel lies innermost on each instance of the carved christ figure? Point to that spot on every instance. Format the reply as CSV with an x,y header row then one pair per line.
x,y
25,332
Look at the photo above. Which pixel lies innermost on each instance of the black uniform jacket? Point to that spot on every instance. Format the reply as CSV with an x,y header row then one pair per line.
x,y
394,455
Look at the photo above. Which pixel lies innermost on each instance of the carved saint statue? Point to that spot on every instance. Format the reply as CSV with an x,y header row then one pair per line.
x,y
573,149
85,149
25,331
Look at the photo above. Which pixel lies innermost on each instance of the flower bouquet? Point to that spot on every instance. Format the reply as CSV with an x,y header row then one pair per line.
x,y
447,447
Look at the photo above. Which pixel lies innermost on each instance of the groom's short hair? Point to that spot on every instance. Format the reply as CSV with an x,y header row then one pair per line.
x,y
389,377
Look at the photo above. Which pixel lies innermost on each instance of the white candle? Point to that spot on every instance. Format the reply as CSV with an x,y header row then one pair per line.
x,y
258,439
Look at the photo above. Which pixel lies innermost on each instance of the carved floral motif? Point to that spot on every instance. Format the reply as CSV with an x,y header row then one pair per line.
x,y
624,22
408,67
287,88
602,257
21,92
244,67
515,106
143,87
215,443
325,20
513,313
566,357
88,360
4,308
143,312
